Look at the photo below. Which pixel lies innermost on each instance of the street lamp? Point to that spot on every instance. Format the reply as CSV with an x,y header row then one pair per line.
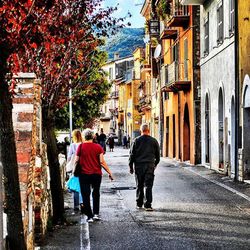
x,y
70,115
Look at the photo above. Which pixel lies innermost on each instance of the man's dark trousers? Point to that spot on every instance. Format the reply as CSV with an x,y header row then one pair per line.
x,y
144,176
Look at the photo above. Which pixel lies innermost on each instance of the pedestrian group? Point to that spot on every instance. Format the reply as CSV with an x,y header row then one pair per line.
x,y
87,156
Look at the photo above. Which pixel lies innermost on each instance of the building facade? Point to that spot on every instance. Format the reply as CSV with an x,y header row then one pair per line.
x,y
179,76
243,71
218,85
112,119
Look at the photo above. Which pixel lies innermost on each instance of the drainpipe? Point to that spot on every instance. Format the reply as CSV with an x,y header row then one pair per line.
x,y
161,116
237,90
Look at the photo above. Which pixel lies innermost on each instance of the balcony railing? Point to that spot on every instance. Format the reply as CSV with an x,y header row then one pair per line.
x,y
176,77
114,94
179,15
192,2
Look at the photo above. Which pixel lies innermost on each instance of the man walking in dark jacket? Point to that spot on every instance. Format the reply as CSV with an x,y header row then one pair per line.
x,y
143,159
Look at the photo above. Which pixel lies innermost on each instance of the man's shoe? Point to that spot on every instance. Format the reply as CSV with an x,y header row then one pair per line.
x,y
149,209
139,207
90,220
96,217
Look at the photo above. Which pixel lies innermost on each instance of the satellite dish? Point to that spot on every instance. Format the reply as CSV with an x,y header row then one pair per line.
x,y
157,52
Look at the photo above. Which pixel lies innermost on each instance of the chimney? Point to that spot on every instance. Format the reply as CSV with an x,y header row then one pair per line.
x,y
116,55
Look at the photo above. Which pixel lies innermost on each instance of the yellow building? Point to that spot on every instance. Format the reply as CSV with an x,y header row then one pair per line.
x,y
145,100
134,118
243,46
124,71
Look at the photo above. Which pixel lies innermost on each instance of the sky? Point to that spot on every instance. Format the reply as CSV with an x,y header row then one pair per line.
x,y
133,6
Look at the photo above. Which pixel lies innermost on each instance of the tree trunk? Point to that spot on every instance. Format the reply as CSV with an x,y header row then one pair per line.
x,y
54,166
10,170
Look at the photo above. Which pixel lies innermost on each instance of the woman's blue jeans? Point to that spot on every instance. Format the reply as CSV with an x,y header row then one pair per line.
x,y
77,199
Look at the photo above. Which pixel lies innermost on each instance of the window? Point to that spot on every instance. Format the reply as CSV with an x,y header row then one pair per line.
x,y
165,95
220,23
231,17
110,73
206,37
175,52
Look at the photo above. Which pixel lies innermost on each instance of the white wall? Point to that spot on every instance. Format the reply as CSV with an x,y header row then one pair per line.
x,y
217,70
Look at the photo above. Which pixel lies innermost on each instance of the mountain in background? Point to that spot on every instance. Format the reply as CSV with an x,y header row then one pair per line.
x,y
124,42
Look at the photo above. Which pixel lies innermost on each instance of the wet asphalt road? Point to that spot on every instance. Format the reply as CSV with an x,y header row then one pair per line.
x,y
191,212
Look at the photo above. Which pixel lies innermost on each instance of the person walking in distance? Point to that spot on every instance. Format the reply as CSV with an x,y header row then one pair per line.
x,y
111,143
144,156
102,140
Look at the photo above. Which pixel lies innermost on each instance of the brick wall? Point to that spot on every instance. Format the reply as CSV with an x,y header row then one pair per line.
x,y
31,156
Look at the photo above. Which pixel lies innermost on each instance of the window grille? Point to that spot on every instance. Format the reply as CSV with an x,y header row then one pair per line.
x,y
206,37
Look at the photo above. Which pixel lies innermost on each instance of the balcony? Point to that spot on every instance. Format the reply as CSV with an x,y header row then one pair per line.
x,y
192,2
179,16
114,94
120,109
167,32
176,78
146,67
105,117
144,103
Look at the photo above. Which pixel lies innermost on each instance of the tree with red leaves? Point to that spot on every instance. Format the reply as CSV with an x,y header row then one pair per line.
x,y
57,40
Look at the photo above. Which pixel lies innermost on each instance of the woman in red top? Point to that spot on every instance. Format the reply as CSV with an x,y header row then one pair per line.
x,y
90,156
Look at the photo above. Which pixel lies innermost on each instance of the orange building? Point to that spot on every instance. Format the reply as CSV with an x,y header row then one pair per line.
x,y
149,102
180,79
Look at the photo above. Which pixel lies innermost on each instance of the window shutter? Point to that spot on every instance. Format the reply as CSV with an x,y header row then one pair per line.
x,y
186,59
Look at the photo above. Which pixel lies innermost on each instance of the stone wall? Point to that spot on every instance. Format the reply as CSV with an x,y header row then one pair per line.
x,y
31,156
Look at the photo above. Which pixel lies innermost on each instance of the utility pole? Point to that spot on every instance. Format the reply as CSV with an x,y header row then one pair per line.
x,y
70,115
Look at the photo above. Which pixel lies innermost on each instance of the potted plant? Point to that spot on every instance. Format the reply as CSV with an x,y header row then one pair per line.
x,y
163,9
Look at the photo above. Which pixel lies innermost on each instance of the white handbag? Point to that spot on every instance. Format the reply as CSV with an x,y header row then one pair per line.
x,y
70,164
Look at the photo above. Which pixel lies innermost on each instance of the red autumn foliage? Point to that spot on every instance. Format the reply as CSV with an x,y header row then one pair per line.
x,y
56,40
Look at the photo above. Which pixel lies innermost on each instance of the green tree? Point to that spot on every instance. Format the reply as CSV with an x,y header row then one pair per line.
x,y
87,102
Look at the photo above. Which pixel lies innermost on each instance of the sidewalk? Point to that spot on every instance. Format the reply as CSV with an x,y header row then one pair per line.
x,y
239,188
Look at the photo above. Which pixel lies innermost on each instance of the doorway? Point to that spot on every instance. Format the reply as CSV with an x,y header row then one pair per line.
x,y
167,135
186,135
221,129
232,148
246,128
207,129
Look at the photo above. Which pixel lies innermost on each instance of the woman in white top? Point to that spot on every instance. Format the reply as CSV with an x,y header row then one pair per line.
x,y
73,182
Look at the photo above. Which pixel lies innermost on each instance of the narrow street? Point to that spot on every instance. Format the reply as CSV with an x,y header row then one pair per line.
x,y
194,209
